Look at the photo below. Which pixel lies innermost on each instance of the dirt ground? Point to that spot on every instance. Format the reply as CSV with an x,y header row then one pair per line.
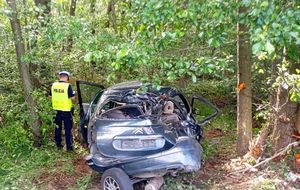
x,y
59,180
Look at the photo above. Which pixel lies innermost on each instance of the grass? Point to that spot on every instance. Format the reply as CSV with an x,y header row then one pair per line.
x,y
19,172
83,182
181,182
225,124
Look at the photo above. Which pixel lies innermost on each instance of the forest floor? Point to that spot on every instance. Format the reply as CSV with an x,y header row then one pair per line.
x,y
215,173
50,169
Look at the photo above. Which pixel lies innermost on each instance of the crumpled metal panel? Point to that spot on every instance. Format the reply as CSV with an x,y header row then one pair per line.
x,y
184,156
107,129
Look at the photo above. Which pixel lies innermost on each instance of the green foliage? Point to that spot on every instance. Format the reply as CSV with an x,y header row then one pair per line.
x,y
219,92
225,121
183,182
209,149
224,127
265,184
159,41
15,141
160,30
275,34
294,81
83,183
46,114
19,171
273,25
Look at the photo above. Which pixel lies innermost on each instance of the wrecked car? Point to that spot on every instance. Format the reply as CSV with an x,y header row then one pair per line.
x,y
136,132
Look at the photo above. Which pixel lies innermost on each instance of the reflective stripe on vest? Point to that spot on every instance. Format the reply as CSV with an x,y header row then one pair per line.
x,y
60,98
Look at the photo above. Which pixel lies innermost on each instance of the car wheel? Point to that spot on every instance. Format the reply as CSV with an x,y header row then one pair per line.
x,y
115,179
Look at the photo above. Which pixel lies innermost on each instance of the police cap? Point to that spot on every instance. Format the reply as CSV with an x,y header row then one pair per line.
x,y
64,73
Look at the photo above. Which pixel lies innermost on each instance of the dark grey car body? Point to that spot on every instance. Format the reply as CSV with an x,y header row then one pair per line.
x,y
127,128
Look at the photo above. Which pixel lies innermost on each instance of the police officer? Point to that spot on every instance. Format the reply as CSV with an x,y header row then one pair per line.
x,y
62,96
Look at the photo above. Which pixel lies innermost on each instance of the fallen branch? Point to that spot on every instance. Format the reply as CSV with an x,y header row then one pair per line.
x,y
282,151
296,136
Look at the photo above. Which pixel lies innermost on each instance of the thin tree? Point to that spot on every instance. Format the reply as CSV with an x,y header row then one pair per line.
x,y
72,7
27,83
111,13
69,43
43,17
92,14
285,111
244,94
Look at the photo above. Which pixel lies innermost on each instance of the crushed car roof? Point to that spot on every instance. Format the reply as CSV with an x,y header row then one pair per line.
x,y
126,85
128,92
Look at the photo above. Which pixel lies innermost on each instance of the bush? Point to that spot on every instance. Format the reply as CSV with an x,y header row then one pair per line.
x,y
15,140
220,92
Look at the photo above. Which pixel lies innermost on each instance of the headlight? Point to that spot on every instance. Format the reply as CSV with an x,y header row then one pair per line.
x,y
138,143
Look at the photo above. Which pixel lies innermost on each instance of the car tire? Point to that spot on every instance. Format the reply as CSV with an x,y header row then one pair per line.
x,y
115,179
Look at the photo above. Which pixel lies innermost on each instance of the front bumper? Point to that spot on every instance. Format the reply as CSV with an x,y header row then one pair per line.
x,y
184,156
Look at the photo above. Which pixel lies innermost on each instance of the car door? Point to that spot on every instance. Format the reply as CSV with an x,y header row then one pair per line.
x,y
203,110
88,96
202,113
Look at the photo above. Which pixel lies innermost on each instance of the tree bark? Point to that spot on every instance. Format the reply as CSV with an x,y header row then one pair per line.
x,y
298,122
244,94
111,13
94,24
24,71
72,7
285,113
284,119
69,43
267,130
92,11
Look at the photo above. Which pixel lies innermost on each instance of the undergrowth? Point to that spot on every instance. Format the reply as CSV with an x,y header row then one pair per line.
x,y
225,125
181,182
19,171
20,162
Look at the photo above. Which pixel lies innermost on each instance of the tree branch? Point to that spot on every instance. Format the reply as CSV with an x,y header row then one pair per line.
x,y
282,151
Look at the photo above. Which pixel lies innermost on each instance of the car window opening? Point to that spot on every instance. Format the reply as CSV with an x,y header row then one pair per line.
x,y
122,112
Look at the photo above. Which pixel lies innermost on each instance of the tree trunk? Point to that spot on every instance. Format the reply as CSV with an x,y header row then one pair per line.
x,y
111,13
69,43
72,7
259,146
298,122
244,95
285,113
24,71
92,11
284,119
43,18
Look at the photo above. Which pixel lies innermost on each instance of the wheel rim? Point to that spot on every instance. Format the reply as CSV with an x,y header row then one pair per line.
x,y
111,184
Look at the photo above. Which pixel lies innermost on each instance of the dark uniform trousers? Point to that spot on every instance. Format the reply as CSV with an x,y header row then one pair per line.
x,y
66,117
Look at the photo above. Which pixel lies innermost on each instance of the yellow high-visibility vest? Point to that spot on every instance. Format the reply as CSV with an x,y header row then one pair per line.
x,y
60,98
